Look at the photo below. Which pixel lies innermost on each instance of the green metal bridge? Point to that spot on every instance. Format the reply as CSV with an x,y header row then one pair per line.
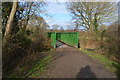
x,y
69,38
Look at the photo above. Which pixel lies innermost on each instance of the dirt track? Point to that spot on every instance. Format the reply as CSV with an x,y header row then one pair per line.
x,y
71,63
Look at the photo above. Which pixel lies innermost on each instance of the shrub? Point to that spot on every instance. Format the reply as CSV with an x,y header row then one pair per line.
x,y
40,43
15,49
104,41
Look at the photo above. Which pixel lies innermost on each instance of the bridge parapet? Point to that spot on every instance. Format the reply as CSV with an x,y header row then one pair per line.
x,y
69,38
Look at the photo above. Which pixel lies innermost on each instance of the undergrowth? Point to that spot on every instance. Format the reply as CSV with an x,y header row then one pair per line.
x,y
32,66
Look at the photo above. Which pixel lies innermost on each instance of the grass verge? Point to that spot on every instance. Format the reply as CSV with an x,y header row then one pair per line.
x,y
33,66
109,64
39,67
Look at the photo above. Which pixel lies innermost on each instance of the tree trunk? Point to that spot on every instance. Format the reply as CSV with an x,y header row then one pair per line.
x,y
10,20
28,17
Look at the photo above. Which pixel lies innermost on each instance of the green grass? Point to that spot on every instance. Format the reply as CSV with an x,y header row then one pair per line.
x,y
33,67
39,67
109,64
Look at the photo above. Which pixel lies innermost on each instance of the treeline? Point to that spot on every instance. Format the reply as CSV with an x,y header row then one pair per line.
x,y
23,32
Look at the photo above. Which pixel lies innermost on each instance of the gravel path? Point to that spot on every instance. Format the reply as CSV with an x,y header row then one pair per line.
x,y
71,63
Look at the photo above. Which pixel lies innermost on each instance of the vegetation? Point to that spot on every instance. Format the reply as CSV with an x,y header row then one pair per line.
x,y
105,41
22,42
96,35
25,46
91,15
32,66
104,48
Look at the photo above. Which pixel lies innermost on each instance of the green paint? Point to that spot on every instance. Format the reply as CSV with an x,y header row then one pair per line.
x,y
70,38
52,36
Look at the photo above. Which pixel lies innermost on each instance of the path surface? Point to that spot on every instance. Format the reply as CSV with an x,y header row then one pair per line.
x,y
71,63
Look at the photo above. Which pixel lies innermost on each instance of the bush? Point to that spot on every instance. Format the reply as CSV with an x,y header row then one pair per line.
x,y
40,43
109,43
19,46
104,41
15,49
21,40
88,40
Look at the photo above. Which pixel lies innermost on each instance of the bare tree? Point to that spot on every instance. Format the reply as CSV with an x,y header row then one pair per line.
x,y
55,26
27,16
37,23
10,19
92,14
31,8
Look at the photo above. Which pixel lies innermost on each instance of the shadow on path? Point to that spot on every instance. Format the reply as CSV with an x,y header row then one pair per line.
x,y
85,72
